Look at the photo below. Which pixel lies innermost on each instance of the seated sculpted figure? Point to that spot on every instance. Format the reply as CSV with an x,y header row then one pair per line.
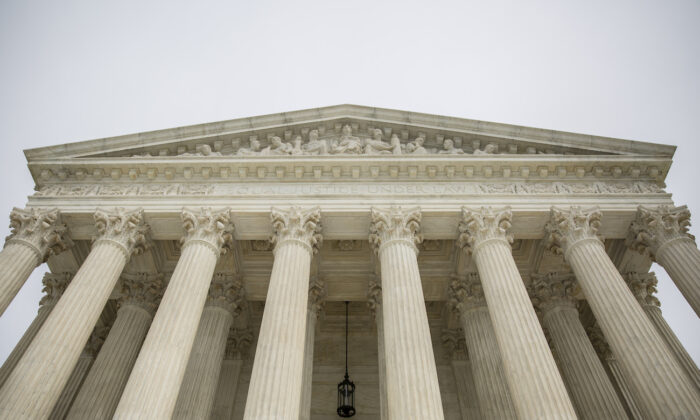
x,y
254,149
416,147
450,149
203,150
375,145
315,146
277,147
347,143
489,149
296,146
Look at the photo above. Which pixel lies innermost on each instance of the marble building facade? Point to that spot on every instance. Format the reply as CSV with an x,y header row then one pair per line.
x,y
493,272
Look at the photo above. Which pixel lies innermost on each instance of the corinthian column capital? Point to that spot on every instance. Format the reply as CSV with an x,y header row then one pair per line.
x,y
296,224
465,292
123,228
54,286
655,227
226,291
237,343
643,287
142,289
40,230
484,224
553,290
395,225
455,343
317,295
208,227
374,295
569,227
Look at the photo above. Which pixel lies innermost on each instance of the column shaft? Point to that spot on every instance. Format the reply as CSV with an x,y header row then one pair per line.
x,y
487,366
226,390
665,391
196,398
99,396
536,387
381,365
17,261
74,384
36,382
152,389
589,385
411,375
681,260
466,390
687,363
308,373
23,343
276,380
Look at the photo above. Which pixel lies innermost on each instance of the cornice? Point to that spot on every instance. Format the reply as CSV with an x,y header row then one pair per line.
x,y
351,168
263,124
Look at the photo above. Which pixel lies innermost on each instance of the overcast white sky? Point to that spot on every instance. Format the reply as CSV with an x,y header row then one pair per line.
x,y
77,70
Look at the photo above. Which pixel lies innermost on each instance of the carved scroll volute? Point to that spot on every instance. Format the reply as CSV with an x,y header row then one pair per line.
x,y
569,227
484,224
655,227
395,225
206,226
296,224
40,230
124,228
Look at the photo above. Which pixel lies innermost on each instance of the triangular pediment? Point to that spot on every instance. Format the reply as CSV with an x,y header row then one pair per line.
x,y
347,130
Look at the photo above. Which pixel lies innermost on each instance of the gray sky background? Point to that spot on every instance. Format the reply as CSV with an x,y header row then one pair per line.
x,y
73,70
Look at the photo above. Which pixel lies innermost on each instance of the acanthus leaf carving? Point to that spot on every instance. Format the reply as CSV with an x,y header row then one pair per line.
x,y
465,293
567,227
395,224
486,223
553,289
141,289
238,342
643,287
126,229
301,225
317,295
374,295
226,291
455,343
209,227
54,286
40,230
653,228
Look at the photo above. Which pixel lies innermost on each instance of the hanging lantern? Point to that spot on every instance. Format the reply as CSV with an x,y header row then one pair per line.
x,y
346,389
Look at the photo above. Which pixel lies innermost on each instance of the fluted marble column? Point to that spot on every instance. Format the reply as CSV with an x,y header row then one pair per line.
x,y
237,344
467,298
36,234
394,234
36,382
152,389
455,345
589,386
54,286
276,380
664,389
662,234
643,286
317,296
80,371
536,387
198,389
623,390
99,396
374,301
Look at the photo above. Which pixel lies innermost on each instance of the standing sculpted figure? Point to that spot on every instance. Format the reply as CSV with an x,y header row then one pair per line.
x,y
347,143
450,149
297,147
277,147
254,149
315,146
416,147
